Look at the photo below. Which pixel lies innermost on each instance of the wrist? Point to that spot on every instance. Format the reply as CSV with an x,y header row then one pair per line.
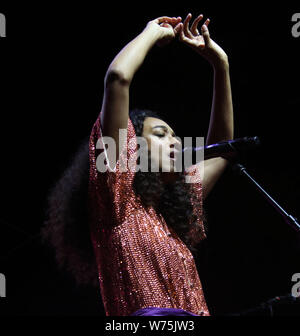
x,y
221,64
153,32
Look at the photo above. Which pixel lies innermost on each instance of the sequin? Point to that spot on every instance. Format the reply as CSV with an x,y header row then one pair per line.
x,y
141,261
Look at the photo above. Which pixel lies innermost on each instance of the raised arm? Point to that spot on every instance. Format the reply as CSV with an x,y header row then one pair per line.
x,y
115,106
221,125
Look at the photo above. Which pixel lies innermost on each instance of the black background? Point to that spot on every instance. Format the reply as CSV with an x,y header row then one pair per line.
x,y
53,62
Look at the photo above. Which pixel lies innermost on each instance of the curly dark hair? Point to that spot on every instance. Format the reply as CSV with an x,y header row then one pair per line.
x,y
66,227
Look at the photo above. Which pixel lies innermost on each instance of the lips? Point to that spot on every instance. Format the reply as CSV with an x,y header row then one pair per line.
x,y
173,154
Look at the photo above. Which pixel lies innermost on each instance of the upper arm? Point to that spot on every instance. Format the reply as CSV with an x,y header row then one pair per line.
x,y
115,109
213,169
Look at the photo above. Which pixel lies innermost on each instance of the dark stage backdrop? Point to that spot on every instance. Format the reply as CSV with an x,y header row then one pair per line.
x,y
53,62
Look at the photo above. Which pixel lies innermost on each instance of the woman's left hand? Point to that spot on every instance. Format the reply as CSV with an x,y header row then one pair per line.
x,y
202,44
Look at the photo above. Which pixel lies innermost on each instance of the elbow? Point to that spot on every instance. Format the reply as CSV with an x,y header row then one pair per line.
x,y
116,76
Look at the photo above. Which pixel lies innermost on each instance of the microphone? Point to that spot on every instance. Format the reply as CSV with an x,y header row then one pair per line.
x,y
223,147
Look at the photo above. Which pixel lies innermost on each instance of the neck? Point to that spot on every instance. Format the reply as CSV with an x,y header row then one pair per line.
x,y
169,177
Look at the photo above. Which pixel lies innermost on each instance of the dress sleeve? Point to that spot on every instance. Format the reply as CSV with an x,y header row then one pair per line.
x,y
112,186
194,175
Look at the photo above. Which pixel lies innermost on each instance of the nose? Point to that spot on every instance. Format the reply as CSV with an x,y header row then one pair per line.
x,y
175,142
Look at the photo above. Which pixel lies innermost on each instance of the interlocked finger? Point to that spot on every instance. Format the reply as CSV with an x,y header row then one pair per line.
x,y
194,29
207,22
186,29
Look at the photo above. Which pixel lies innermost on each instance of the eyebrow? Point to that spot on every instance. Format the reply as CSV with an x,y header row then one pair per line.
x,y
162,126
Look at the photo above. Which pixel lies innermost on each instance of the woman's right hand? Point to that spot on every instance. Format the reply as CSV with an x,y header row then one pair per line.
x,y
167,28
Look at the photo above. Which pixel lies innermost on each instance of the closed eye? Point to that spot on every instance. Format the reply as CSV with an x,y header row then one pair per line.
x,y
165,128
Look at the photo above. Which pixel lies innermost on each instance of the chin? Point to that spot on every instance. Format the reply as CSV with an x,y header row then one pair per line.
x,y
168,168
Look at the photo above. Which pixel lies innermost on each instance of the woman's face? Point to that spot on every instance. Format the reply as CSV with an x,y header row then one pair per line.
x,y
163,145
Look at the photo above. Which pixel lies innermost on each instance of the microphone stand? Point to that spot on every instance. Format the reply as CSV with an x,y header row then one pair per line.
x,y
267,308
289,219
231,154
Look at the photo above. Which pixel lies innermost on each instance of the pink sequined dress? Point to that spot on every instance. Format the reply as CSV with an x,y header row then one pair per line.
x,y
141,261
